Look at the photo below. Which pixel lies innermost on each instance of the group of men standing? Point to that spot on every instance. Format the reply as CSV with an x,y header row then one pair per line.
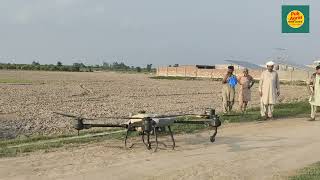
x,y
269,90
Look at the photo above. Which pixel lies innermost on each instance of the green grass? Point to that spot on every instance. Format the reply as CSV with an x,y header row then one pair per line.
x,y
15,81
24,140
309,173
8,149
294,109
296,83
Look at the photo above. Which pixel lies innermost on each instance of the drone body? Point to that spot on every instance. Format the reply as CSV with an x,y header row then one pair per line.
x,y
151,124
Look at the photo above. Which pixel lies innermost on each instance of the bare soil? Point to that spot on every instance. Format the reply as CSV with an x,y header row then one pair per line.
x,y
26,108
265,150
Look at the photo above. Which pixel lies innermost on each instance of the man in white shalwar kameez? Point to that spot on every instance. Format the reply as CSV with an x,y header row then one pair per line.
x,y
314,90
269,89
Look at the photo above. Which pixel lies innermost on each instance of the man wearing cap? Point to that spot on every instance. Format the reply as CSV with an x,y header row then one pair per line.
x,y
314,90
228,90
269,89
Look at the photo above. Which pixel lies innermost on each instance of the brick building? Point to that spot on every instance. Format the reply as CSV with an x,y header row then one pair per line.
x,y
205,71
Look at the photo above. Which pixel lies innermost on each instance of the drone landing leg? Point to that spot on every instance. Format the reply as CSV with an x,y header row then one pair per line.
x,y
142,137
213,137
127,134
173,141
148,141
156,135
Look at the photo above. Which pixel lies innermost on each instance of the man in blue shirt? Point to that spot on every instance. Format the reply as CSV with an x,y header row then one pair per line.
x,y
229,82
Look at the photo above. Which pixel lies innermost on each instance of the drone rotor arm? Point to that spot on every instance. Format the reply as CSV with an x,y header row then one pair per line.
x,y
66,115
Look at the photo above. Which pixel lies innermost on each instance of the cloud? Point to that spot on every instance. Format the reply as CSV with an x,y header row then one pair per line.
x,y
34,11
65,3
23,16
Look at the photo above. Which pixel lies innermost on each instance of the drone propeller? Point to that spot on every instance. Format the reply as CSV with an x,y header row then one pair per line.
x,y
119,117
99,118
155,116
173,115
73,116
67,115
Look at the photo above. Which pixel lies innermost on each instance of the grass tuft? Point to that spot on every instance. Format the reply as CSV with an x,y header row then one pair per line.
x,y
283,110
309,173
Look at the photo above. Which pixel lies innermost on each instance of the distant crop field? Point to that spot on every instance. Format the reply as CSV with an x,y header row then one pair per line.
x,y
15,81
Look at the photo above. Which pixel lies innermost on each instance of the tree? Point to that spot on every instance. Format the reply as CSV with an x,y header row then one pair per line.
x,y
11,66
59,63
82,65
44,67
105,65
76,67
53,67
138,69
26,67
119,66
66,68
149,67
35,63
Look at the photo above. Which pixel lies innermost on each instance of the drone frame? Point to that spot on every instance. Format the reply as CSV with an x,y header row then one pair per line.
x,y
150,125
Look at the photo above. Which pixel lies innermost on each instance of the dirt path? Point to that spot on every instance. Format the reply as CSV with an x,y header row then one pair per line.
x,y
242,151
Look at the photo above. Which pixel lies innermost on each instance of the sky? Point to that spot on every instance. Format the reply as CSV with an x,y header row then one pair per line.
x,y
158,32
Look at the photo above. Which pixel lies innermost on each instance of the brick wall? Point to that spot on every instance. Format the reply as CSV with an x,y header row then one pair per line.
x,y
191,71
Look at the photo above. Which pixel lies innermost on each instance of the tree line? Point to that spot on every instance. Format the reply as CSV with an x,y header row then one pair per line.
x,y
77,67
